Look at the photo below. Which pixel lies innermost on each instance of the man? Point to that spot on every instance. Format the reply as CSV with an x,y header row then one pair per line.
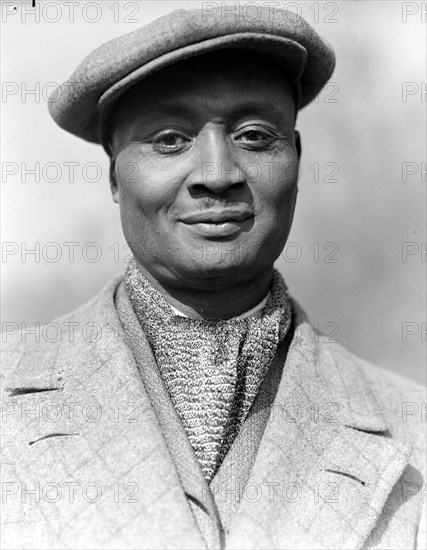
x,y
204,413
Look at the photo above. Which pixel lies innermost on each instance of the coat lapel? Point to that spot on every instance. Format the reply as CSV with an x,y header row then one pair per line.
x,y
325,466
188,468
322,474
126,492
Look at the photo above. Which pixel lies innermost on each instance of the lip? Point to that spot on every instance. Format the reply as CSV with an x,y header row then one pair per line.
x,y
217,216
223,229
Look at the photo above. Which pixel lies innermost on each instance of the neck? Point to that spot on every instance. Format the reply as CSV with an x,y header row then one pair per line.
x,y
219,302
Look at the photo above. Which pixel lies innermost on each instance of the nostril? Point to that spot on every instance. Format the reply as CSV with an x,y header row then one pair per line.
x,y
213,187
209,197
200,188
214,177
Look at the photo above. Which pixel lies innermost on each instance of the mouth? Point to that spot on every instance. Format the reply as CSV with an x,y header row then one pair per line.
x,y
224,223
217,217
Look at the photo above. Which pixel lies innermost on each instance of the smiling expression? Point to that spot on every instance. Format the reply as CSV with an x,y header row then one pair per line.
x,y
204,167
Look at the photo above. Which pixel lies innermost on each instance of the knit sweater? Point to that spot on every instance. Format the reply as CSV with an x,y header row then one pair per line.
x,y
212,370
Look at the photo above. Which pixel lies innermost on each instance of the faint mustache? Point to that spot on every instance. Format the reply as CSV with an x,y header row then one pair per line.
x,y
212,204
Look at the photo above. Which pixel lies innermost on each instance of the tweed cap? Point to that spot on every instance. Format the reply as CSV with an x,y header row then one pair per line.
x,y
82,104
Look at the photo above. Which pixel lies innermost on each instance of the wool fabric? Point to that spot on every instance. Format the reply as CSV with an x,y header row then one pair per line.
x,y
212,370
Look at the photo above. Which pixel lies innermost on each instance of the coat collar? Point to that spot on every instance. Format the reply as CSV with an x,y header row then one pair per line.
x,y
324,467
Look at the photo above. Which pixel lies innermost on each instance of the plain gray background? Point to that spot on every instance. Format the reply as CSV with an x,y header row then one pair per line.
x,y
354,205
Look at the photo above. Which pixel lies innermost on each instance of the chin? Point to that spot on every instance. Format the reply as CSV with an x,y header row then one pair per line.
x,y
233,271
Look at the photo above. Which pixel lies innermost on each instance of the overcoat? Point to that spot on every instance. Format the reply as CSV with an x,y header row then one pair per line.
x,y
94,455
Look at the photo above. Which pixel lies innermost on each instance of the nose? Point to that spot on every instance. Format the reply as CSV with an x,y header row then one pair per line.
x,y
215,167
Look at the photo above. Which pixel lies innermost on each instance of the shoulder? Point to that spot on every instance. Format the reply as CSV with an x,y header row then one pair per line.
x,y
400,400
384,381
391,387
27,355
372,398
394,392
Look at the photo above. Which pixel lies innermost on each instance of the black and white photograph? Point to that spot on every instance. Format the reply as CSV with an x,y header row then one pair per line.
x,y
213,260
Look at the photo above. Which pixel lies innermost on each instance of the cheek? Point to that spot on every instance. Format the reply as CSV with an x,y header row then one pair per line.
x,y
144,190
278,187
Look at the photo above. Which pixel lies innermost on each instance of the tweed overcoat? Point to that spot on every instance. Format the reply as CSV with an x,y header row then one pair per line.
x,y
86,464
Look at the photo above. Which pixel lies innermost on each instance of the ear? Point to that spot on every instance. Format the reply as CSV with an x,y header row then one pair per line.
x,y
113,180
298,144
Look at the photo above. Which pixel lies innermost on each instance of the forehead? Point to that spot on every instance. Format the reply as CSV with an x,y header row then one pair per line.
x,y
223,82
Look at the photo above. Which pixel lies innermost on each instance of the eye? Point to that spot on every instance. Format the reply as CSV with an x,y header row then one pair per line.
x,y
255,137
170,141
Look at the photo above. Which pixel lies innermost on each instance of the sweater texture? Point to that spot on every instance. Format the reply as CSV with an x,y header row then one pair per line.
x,y
212,370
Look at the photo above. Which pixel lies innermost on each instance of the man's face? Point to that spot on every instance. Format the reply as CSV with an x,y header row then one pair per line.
x,y
206,169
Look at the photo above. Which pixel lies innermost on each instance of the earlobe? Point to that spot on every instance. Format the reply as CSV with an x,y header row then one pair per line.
x,y
113,181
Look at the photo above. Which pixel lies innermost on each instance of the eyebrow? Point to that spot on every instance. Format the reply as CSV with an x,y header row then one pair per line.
x,y
259,108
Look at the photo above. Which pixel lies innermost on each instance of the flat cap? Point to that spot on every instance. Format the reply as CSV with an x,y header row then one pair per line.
x,y
82,104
